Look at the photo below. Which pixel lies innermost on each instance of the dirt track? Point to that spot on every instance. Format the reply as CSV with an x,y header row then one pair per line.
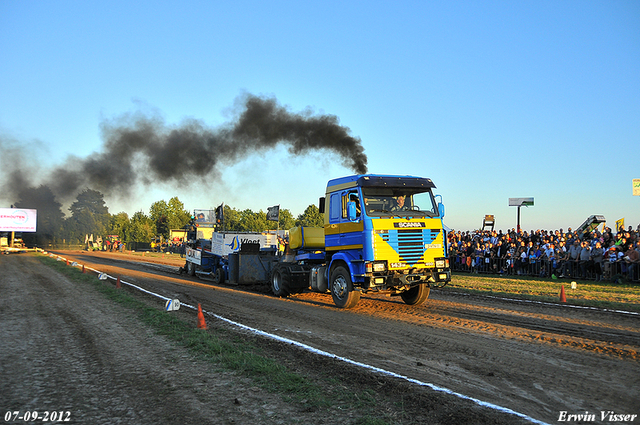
x,y
534,359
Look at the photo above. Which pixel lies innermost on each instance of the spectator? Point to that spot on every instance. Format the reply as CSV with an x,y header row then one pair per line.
x,y
585,257
607,237
521,261
550,257
571,259
478,258
621,243
610,256
632,259
532,260
597,257
469,255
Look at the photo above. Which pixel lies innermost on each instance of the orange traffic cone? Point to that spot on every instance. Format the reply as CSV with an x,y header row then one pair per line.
x,y
67,262
563,297
201,323
118,286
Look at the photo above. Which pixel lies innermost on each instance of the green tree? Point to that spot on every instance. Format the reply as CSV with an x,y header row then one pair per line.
x,y
89,215
141,228
159,214
250,221
118,225
253,222
311,217
90,200
167,216
231,219
178,215
286,219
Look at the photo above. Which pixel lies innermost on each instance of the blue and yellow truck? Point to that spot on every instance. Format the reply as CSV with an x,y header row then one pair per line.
x,y
383,234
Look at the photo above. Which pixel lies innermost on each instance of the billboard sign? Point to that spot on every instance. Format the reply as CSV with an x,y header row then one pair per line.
x,y
520,202
636,187
18,220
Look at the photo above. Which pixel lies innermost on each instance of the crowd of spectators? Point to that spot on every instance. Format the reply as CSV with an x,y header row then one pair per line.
x,y
174,247
593,255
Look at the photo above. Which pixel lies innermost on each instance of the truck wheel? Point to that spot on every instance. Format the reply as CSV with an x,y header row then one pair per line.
x,y
416,295
342,288
191,268
218,276
280,278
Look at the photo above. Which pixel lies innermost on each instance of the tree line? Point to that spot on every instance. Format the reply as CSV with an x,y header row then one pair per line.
x,y
89,215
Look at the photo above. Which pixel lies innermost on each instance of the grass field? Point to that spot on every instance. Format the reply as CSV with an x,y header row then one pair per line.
x,y
587,293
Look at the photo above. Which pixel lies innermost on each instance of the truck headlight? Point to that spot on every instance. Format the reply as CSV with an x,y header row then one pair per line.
x,y
440,263
378,267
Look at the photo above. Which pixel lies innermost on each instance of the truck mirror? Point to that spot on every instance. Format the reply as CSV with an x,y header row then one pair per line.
x,y
441,209
321,205
351,211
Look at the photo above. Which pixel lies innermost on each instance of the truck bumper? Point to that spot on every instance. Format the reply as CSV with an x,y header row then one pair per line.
x,y
435,278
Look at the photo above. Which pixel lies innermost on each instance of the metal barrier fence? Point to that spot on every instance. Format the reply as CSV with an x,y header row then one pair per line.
x,y
543,268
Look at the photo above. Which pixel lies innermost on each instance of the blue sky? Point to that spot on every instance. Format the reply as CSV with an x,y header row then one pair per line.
x,y
491,100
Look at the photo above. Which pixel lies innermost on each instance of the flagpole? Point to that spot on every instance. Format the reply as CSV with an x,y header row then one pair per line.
x,y
278,230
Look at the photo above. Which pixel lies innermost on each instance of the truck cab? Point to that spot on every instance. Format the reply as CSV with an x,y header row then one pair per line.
x,y
384,234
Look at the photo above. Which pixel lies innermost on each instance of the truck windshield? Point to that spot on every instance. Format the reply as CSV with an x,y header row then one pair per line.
x,y
402,202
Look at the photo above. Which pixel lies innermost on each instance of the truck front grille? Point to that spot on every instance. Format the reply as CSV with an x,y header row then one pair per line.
x,y
410,244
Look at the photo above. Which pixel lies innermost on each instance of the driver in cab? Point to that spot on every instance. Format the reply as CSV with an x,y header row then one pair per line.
x,y
399,204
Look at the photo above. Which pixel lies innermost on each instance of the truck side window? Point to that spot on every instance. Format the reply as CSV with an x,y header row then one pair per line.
x,y
335,208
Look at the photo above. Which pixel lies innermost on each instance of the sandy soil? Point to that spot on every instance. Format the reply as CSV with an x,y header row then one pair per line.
x,y
535,359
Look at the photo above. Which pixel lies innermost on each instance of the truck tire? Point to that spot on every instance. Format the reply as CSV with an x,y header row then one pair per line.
x,y
416,295
218,276
342,288
280,278
191,268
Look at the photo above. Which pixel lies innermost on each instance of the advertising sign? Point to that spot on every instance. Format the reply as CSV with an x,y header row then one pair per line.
x,y
636,187
520,202
194,256
18,220
223,244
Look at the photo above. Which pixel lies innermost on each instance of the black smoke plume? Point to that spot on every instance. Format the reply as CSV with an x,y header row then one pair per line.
x,y
141,148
